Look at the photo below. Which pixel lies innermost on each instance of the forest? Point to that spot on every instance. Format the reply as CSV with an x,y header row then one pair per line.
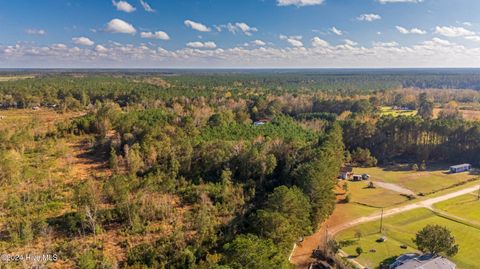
x,y
207,170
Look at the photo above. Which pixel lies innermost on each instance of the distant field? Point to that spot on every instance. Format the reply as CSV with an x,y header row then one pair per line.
x,y
10,78
436,178
44,118
389,111
467,207
377,197
472,115
401,229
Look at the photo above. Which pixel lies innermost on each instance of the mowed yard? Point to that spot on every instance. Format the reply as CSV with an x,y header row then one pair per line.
x,y
373,197
466,207
400,230
434,179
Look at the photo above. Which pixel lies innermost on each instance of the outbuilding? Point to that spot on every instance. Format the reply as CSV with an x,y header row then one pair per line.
x,y
460,168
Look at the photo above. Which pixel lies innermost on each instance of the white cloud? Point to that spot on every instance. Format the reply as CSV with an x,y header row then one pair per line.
x,y
120,26
406,31
399,1
318,42
197,26
385,44
202,45
452,31
146,6
349,42
258,42
294,41
369,17
238,27
101,49
336,31
474,38
36,32
84,41
123,6
155,35
299,3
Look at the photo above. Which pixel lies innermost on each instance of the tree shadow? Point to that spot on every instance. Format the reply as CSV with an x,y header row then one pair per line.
x,y
385,264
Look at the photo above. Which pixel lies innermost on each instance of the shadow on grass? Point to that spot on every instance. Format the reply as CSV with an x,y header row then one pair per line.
x,y
385,264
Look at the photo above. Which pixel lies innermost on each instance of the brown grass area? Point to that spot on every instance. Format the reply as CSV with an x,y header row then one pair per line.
x,y
471,115
44,119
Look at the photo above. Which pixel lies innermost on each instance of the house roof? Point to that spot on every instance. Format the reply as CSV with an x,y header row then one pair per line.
x,y
423,262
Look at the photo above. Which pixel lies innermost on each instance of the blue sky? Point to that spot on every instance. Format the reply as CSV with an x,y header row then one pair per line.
x,y
239,33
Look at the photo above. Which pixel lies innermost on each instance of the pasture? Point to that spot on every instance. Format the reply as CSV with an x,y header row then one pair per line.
x,y
400,230
436,178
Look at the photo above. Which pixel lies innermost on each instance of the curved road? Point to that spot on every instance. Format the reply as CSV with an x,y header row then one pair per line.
x,y
298,253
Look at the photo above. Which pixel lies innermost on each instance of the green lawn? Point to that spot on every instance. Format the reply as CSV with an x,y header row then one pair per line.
x,y
466,207
400,229
435,179
377,197
389,111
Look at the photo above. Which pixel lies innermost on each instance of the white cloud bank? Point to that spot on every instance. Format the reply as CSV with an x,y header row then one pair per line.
x,y
436,52
406,31
299,3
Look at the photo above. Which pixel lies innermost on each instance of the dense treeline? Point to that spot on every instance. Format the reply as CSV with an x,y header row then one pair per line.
x,y
211,171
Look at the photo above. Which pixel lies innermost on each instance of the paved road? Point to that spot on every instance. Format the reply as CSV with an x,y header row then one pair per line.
x,y
301,256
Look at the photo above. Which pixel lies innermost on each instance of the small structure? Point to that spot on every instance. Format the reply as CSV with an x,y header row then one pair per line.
x,y
426,261
365,176
460,168
36,108
346,172
261,122
357,178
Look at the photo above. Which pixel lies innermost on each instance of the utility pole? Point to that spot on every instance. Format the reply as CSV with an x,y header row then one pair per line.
x,y
381,222
478,197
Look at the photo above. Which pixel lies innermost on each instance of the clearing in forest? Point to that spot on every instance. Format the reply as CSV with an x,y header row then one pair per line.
x,y
436,178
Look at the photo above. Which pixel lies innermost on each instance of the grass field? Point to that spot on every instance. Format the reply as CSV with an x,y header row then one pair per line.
x,y
435,179
389,111
466,206
401,229
370,197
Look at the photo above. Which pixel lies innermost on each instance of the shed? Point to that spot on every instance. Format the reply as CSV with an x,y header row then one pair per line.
x,y
460,168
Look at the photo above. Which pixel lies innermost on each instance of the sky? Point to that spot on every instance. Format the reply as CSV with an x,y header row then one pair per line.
x,y
239,33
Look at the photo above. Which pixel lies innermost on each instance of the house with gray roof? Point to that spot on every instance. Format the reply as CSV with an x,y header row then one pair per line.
x,y
427,261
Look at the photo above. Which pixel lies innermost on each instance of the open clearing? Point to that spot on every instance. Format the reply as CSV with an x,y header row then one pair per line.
x,y
389,111
11,78
435,179
44,119
370,197
468,114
